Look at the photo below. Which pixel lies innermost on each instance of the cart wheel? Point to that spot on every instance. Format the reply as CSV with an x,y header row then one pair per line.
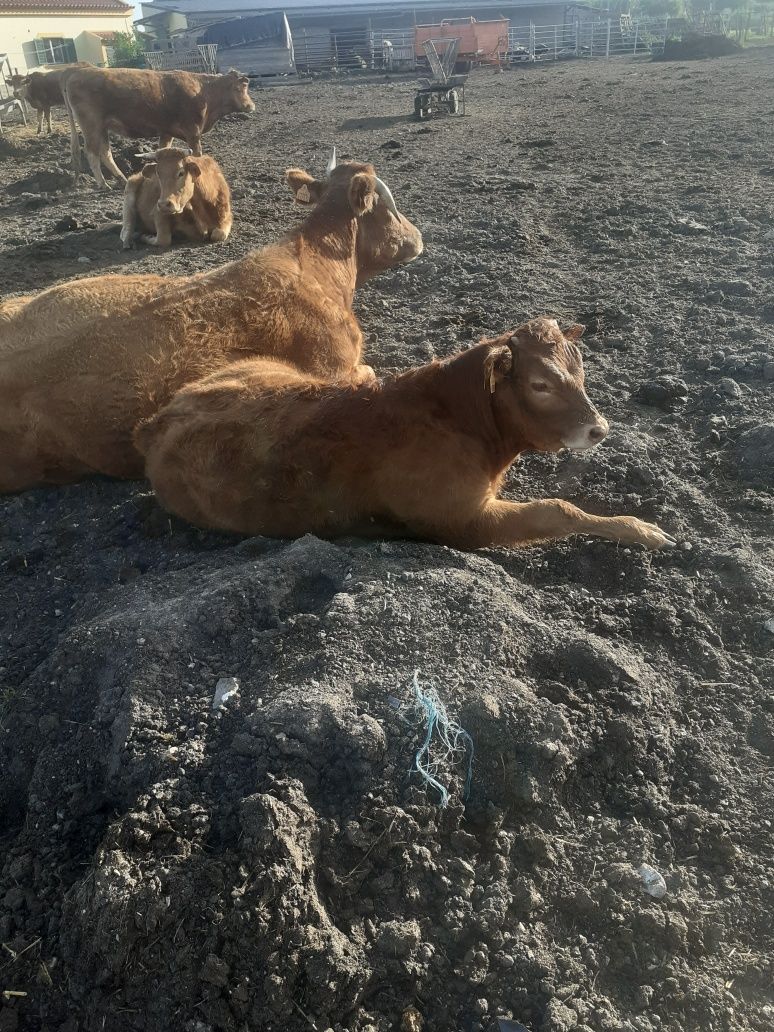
x,y
454,102
419,109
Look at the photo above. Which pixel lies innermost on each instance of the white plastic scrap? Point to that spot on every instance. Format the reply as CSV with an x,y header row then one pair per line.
x,y
225,689
652,881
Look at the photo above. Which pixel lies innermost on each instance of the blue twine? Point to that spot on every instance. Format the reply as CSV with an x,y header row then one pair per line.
x,y
451,736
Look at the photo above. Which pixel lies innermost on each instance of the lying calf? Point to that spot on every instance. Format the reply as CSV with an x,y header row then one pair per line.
x,y
260,448
177,195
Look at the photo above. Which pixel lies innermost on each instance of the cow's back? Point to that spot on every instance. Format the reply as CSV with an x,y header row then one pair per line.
x,y
134,101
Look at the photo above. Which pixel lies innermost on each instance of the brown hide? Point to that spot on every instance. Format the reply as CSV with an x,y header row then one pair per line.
x,y
83,362
259,448
138,102
177,195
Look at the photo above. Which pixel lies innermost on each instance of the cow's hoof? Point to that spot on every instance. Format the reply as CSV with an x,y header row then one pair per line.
x,y
652,536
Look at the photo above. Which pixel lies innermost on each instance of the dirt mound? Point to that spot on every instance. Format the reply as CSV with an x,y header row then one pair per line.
x,y
694,46
48,181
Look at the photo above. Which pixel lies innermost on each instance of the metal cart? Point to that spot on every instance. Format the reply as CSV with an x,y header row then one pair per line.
x,y
445,91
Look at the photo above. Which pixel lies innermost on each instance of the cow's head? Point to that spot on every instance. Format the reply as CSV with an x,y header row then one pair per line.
x,y
535,374
177,173
19,84
236,96
352,191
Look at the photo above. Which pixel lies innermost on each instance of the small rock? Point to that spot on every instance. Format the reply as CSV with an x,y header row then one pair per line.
x,y
66,225
768,372
14,898
730,387
652,881
769,626
225,689
690,227
84,260
48,724
398,938
664,392
215,971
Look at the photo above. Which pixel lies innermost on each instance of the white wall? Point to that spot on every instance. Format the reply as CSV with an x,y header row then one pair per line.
x,y
21,28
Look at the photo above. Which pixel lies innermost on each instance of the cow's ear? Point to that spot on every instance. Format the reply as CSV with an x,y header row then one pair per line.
x,y
192,168
149,171
306,188
362,193
574,332
497,366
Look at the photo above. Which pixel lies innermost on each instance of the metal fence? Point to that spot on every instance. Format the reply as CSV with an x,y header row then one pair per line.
x,y
608,38
202,59
319,49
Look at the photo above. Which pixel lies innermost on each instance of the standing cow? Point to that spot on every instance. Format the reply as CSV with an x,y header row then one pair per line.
x,y
177,194
42,90
136,102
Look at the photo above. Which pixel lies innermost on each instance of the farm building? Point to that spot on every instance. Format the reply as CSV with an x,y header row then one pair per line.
x,y
48,32
305,35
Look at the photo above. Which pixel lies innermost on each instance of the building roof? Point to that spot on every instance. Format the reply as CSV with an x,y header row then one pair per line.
x,y
64,7
233,8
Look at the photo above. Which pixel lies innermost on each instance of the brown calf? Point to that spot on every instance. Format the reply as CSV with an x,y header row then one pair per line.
x,y
42,90
177,194
259,448
83,362
136,102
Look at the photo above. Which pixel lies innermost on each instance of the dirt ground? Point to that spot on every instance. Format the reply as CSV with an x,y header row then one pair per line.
x,y
277,864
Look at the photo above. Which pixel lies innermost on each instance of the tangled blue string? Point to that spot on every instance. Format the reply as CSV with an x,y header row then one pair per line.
x,y
452,739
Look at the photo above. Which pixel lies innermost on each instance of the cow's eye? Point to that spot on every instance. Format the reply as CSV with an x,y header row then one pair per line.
x,y
540,386
181,174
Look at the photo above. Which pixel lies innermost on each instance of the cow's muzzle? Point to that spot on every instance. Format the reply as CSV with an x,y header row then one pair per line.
x,y
588,434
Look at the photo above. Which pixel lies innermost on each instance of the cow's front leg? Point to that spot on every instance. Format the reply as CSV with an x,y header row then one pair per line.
x,y
195,143
551,519
362,374
163,237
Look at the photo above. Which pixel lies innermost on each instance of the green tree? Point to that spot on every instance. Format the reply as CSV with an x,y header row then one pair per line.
x,y
128,50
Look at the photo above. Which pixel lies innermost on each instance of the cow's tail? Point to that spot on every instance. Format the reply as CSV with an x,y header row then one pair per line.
x,y
75,149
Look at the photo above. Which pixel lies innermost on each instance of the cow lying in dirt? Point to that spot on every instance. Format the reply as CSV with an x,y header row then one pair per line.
x,y
83,362
260,448
42,90
137,102
177,195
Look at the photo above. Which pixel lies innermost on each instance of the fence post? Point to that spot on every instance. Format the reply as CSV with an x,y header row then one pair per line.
x,y
591,40
556,42
636,34
607,44
532,41
577,36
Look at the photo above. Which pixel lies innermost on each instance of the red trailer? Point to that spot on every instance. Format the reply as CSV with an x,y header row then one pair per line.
x,y
480,41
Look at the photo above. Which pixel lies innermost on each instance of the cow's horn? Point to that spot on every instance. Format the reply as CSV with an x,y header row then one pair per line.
x,y
386,195
331,163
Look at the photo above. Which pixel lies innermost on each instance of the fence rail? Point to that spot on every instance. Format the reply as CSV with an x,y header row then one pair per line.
x,y
393,50
202,59
609,38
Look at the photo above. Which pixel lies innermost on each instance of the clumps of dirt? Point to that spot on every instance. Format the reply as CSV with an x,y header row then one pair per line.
x,y
695,47
46,181
755,453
